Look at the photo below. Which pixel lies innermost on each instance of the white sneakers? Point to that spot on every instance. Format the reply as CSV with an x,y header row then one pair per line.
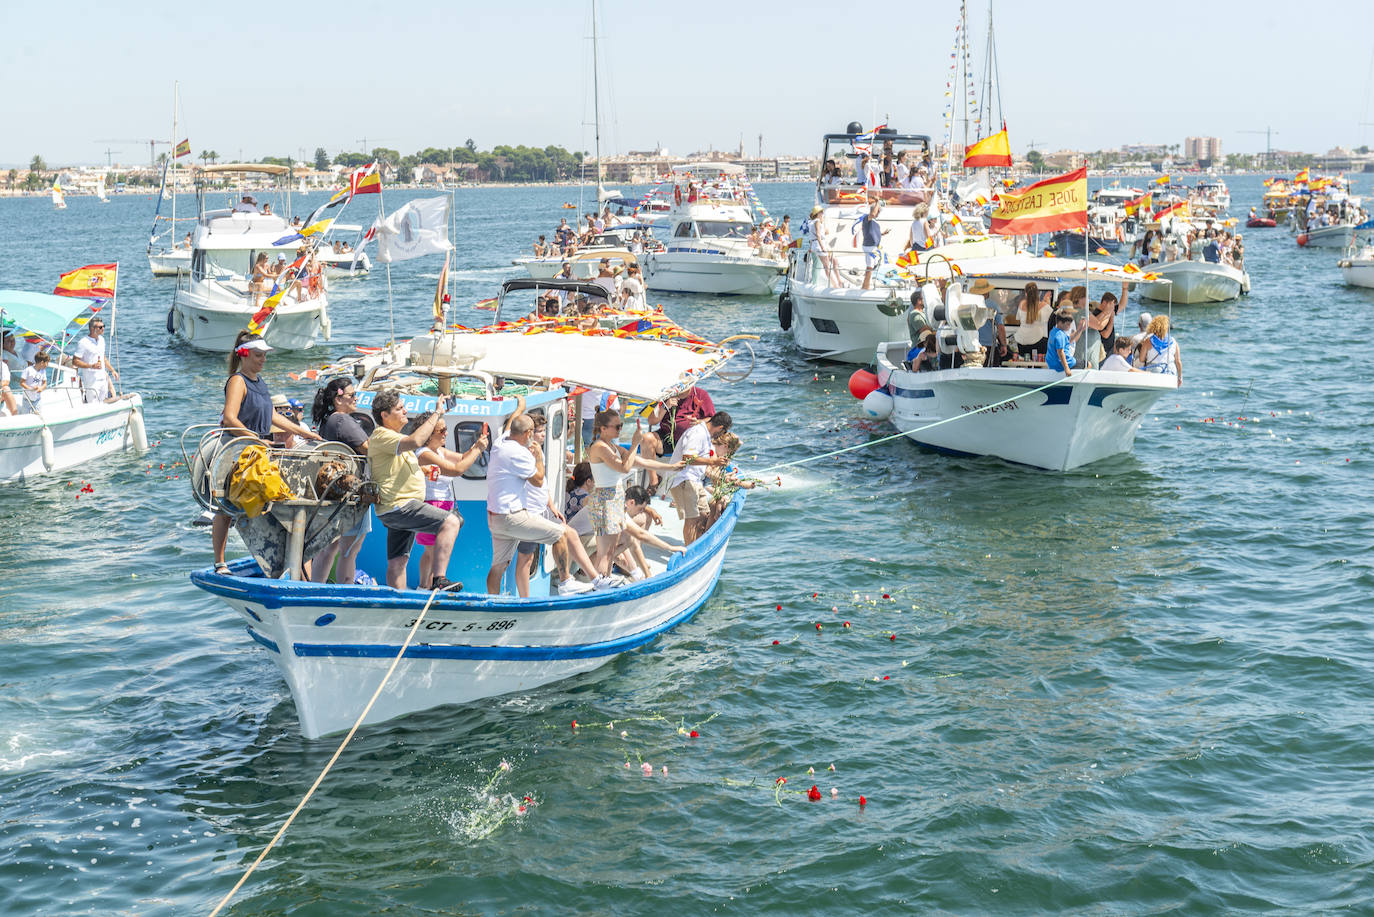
x,y
572,586
607,582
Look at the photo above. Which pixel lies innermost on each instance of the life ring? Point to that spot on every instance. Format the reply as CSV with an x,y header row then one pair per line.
x,y
785,312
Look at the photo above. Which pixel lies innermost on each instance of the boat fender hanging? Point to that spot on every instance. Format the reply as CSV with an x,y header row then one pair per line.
x,y
785,311
862,383
171,328
877,404
49,451
138,431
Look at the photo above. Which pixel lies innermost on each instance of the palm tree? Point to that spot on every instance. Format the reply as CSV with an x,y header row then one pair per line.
x,y
37,164
208,156
11,177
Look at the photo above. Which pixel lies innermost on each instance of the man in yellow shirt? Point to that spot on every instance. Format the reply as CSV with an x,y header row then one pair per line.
x,y
401,505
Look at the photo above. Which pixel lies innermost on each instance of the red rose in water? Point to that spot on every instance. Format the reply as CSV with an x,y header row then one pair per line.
x,y
781,781
892,637
862,802
813,794
775,643
574,725
694,734
846,623
779,608
886,596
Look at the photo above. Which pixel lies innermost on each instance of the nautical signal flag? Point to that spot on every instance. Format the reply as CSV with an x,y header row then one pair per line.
x,y
94,280
183,149
1046,206
990,151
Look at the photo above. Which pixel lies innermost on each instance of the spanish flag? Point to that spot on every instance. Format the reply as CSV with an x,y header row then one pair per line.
x,y
1175,210
1302,176
94,280
366,180
183,149
990,151
1162,180
1046,206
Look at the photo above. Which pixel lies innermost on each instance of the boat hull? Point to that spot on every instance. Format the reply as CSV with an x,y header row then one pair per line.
x,y
844,324
333,644
1192,282
686,272
80,433
1260,223
170,263
212,325
1087,417
1358,272
1326,237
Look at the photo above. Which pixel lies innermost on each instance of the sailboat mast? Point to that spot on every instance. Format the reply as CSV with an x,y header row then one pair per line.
x,y
172,166
596,107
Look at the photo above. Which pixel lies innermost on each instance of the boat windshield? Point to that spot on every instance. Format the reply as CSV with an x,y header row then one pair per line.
x,y
721,229
221,262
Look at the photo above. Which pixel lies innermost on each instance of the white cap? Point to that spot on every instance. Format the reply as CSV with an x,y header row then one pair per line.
x,y
256,344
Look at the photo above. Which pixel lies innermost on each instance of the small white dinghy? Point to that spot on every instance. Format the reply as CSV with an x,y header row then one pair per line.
x,y
333,643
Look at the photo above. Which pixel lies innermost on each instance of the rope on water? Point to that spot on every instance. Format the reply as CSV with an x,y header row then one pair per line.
x,y
874,442
338,751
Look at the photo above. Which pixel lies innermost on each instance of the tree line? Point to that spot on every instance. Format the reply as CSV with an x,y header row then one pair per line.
x,y
501,163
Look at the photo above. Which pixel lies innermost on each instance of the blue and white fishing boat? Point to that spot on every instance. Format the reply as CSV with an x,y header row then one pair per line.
x,y
333,643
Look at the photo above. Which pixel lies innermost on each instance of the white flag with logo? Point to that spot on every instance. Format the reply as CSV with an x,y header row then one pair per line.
x,y
418,228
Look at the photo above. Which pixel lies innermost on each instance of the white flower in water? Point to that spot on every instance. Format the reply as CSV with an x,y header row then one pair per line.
x,y
810,772
665,770
647,768
834,792
505,765
624,734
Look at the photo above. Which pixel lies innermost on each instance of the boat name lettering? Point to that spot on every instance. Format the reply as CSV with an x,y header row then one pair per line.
x,y
106,436
970,408
464,627
1128,413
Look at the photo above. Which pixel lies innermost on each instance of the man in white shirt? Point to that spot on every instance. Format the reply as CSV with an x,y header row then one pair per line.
x,y
247,205
95,370
8,405
689,494
511,466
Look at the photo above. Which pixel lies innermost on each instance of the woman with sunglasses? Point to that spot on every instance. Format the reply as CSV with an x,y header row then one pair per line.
x,y
611,465
332,412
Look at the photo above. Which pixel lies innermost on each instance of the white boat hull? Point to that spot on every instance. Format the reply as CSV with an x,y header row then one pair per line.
x,y
691,272
80,433
333,644
170,263
1089,416
212,325
1327,237
1358,272
344,265
1192,282
844,323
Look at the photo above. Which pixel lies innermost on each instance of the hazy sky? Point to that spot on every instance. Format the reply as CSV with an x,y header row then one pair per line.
x,y
278,78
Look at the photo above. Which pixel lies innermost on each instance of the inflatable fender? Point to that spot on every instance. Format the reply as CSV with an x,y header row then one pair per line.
x,y
785,312
49,451
171,326
862,383
1302,240
138,431
877,404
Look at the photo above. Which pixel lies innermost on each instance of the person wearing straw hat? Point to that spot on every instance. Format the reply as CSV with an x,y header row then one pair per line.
x,y
813,228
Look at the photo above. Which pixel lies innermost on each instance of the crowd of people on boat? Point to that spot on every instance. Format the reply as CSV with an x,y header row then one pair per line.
x,y
307,283
35,363
598,531
1186,242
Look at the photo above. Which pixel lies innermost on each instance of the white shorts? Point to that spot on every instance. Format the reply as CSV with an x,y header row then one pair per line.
x,y
872,258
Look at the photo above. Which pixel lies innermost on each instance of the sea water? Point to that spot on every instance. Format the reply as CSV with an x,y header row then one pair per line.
x,y
1139,687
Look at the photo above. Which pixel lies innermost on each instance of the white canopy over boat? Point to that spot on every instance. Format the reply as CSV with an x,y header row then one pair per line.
x,y
637,367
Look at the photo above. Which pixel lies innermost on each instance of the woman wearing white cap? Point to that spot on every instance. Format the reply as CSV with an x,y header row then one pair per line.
x,y
248,412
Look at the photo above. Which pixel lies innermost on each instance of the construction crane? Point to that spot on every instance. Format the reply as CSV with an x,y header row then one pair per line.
x,y
1268,133
152,145
109,157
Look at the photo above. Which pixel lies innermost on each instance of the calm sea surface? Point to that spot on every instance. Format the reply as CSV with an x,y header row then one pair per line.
x,y
1142,687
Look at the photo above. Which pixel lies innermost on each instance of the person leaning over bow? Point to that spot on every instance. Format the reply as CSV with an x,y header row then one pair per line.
x,y
401,505
512,464
248,412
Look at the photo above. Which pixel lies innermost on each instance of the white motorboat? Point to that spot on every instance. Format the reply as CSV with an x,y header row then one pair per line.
x,y
213,302
1358,264
844,322
1108,217
1020,412
170,262
1192,282
614,244
333,643
1337,236
709,223
345,260
65,431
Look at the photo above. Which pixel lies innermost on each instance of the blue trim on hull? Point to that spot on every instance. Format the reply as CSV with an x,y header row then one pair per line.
x,y
504,653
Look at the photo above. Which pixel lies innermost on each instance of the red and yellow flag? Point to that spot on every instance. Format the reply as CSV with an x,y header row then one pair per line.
x,y
1175,210
1046,206
183,149
1302,176
367,180
990,151
94,280
1162,180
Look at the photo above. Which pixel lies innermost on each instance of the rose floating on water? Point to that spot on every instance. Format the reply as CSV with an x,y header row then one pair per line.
x,y
813,794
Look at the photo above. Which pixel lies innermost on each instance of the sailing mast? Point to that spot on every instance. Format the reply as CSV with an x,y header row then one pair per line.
x,y
172,166
596,110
